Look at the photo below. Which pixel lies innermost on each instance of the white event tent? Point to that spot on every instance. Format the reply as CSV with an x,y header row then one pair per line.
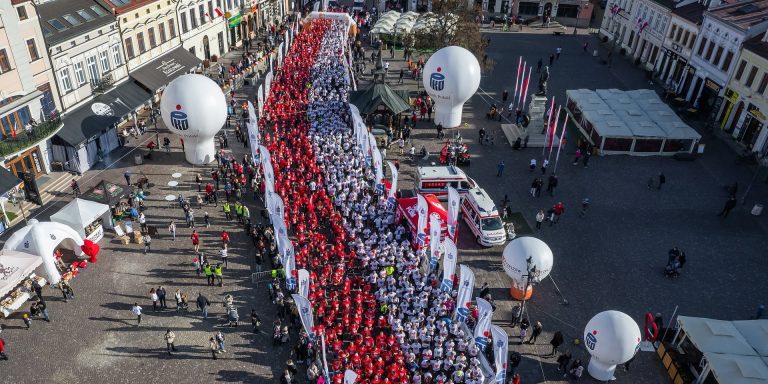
x,y
15,266
42,239
80,213
629,122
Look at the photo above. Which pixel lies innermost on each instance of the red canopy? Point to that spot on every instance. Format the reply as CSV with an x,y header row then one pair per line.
x,y
406,209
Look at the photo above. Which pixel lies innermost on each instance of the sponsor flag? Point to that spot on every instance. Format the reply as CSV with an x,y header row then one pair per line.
x,y
453,212
421,208
305,313
350,377
517,81
391,201
449,265
464,297
500,350
483,325
304,283
434,241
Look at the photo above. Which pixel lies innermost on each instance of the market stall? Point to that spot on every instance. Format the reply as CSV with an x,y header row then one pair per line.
x,y
406,210
16,276
629,122
88,218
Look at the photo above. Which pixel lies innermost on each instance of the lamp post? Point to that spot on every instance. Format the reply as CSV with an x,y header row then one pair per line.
x,y
530,271
18,201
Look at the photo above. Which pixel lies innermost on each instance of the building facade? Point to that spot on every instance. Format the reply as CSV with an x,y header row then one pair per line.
x,y
638,27
673,69
203,27
747,90
717,49
28,91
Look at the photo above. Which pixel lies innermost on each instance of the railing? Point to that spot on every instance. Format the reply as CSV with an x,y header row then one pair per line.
x,y
10,145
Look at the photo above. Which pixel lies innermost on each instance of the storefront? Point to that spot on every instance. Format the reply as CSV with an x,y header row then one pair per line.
x,y
9,185
749,130
730,101
235,34
30,161
709,100
90,132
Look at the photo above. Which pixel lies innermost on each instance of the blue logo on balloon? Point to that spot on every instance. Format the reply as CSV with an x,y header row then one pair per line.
x,y
179,120
437,81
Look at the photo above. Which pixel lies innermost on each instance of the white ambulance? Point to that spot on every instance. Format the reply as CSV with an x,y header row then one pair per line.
x,y
435,180
482,218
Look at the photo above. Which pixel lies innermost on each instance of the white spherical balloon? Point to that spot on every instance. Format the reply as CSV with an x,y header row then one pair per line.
x,y
451,77
194,107
516,254
612,337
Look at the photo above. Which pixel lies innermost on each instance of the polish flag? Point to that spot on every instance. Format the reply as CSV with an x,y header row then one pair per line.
x,y
218,12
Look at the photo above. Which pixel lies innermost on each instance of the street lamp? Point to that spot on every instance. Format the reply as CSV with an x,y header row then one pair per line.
x,y
530,271
18,201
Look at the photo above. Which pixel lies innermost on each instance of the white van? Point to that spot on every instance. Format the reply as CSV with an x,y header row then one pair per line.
x,y
480,214
435,180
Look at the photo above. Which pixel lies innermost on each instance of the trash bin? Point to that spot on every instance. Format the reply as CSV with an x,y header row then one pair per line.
x,y
138,159
757,210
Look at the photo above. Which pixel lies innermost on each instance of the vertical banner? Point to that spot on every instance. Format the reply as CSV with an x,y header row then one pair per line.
x,y
350,377
266,165
268,79
260,98
391,202
325,361
275,206
500,351
304,283
483,325
305,313
377,166
280,53
449,264
253,132
372,144
464,297
434,241
421,228
453,212
289,264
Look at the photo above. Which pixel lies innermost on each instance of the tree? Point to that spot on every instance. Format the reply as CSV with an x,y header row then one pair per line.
x,y
453,22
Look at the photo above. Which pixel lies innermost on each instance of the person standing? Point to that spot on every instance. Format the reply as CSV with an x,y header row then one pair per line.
x,y
202,304
537,329
539,219
172,229
539,185
147,243
127,176
662,180
558,51
552,184
220,341
505,95
402,73
136,310
500,168
584,207
534,183
227,210
155,298
170,338
27,320
177,296
161,297
557,340
255,321
559,209
551,59
544,165
3,355
729,205
195,240
224,255
143,222
43,310
214,347
208,270
219,274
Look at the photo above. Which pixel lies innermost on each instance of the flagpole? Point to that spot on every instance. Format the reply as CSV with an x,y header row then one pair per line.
x,y
527,83
522,81
517,80
325,362
560,143
552,139
549,120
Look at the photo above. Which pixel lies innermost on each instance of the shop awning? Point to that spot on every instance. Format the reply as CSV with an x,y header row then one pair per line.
x,y
159,72
8,182
101,112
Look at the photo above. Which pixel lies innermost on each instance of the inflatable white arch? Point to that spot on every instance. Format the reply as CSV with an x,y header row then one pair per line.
x,y
42,239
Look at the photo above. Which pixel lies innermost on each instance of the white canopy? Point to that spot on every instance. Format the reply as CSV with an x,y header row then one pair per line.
x,y
79,213
15,267
42,239
737,369
717,336
756,334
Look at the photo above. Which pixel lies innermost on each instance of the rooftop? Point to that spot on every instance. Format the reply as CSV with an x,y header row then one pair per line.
x,y
757,46
691,12
62,20
122,6
742,14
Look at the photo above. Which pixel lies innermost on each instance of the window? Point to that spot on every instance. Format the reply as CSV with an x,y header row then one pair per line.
x,y
79,72
172,28
32,48
229,5
201,10
693,41
116,55
140,39
710,49
152,40
5,62
93,70
129,48
740,71
85,15
22,11
210,10
672,31
685,38
727,62
718,55
14,121
751,76
57,24
104,61
701,46
161,26
98,10
184,28
66,84
763,84
192,19
72,19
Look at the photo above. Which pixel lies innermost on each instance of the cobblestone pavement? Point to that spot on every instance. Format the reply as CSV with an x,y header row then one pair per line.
x,y
614,257
94,338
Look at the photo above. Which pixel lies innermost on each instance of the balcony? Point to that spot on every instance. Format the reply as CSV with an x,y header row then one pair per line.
x,y
102,85
23,140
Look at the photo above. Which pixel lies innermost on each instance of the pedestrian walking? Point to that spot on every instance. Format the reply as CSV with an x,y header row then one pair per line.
x,y
535,332
559,209
532,165
662,180
577,157
214,347
147,243
504,97
584,207
585,46
195,240
127,176
729,205
172,229
500,168
177,296
170,339
227,210
482,135
402,73
552,184
42,308
66,290
533,187
3,354
544,165
587,156
557,340
161,297
220,341
558,51
224,255
539,218
27,320
155,298
136,310
255,321
203,304
219,274
537,188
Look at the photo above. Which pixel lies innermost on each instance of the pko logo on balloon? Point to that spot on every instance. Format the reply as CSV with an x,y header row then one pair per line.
x,y
179,119
437,80
590,340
